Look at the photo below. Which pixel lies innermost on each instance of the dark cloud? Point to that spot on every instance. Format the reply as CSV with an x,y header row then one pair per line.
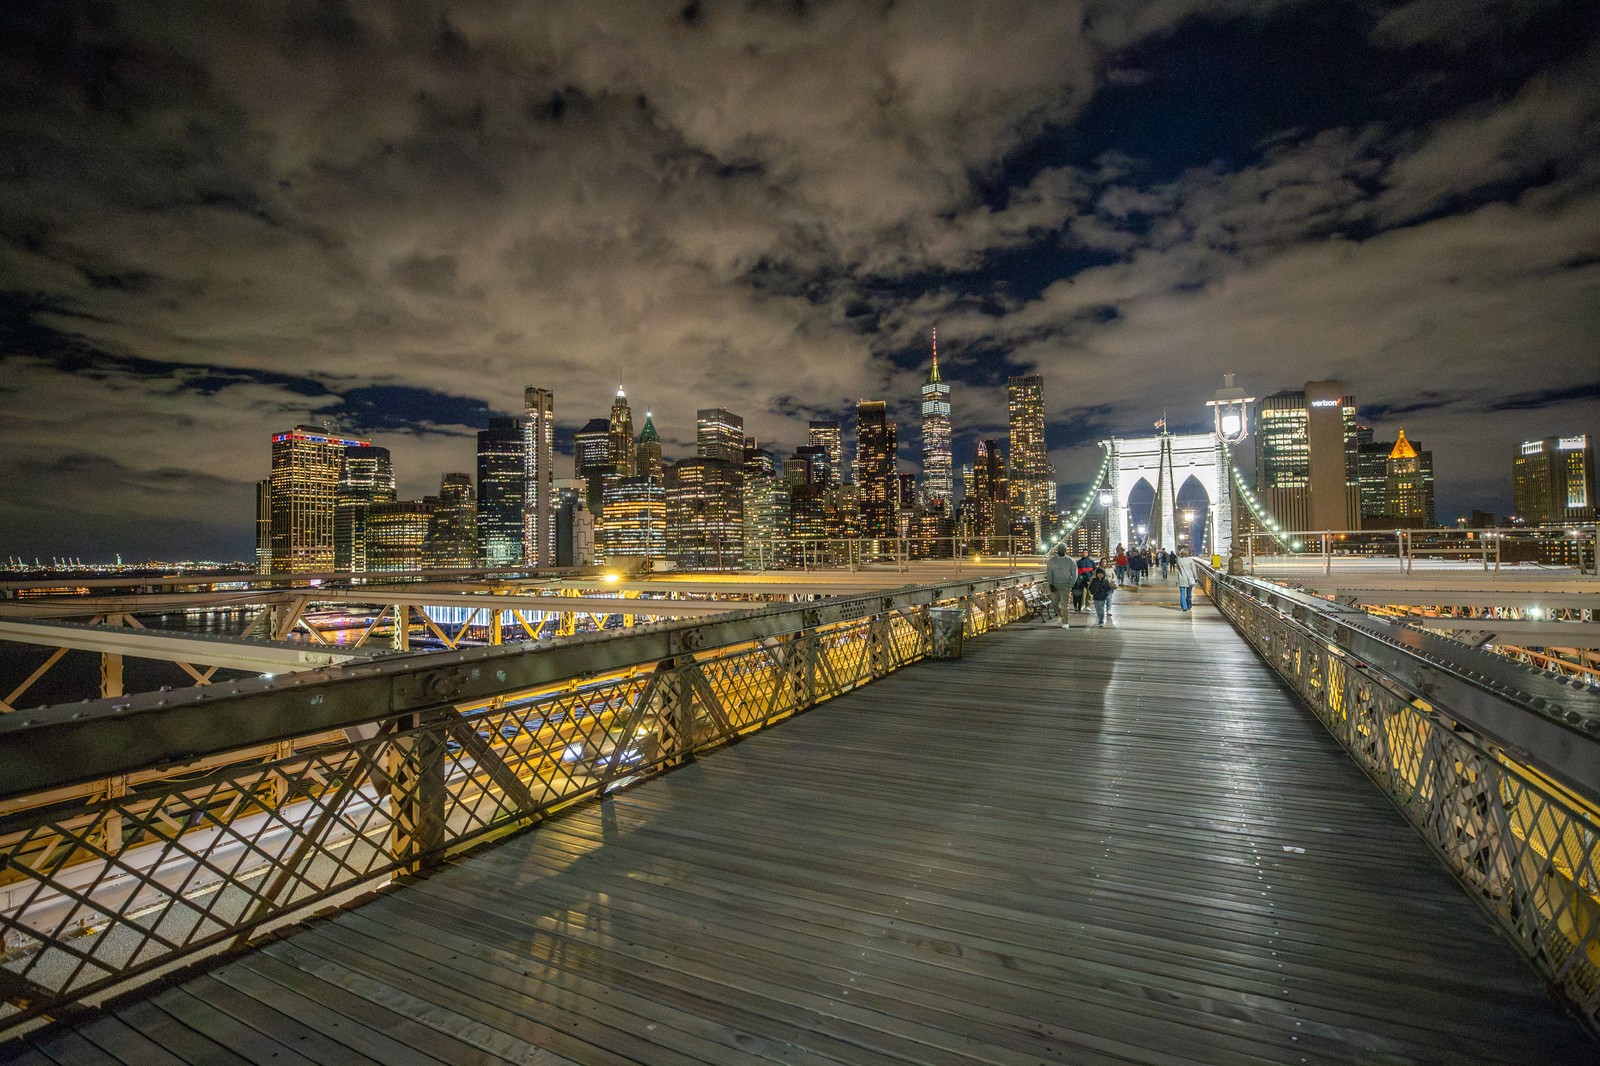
x,y
218,221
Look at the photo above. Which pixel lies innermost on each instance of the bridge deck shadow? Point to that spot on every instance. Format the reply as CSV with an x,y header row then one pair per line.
x,y
1111,845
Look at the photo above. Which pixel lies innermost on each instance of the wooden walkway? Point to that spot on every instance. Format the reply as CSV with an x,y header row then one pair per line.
x,y
1125,845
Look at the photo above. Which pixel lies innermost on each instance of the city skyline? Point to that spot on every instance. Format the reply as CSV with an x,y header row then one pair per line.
x,y
218,230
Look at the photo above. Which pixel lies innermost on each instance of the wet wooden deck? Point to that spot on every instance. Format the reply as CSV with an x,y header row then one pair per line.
x,y
1125,845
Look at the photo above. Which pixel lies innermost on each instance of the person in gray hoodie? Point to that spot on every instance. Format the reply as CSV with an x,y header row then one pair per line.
x,y
1060,572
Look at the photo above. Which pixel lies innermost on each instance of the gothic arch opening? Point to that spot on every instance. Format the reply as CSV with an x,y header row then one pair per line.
x,y
1193,501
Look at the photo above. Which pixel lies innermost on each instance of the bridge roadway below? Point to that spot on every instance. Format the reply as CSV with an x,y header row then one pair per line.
x,y
1120,845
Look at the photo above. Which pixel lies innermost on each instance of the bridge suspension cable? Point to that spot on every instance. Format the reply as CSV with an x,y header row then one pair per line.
x,y
1259,511
1070,524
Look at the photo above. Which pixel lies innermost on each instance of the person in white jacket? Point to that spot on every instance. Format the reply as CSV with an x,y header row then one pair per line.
x,y
1061,571
1188,573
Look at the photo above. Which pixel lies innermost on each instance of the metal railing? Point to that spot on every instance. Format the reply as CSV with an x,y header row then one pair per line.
x,y
1402,549
139,832
1495,764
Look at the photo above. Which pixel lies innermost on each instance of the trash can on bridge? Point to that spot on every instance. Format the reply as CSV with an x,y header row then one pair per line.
x,y
949,626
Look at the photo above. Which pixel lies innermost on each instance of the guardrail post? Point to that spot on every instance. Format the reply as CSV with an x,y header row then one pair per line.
x,y
675,703
878,644
417,794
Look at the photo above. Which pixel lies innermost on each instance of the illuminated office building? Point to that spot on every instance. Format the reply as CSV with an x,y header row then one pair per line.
x,y
1553,480
938,476
539,477
877,452
592,462
396,532
452,539
264,526
591,447
575,527
303,492
501,484
719,434
621,435
829,437
767,502
647,455
636,520
1032,478
1408,490
705,513
366,476
1308,458
989,498
1372,476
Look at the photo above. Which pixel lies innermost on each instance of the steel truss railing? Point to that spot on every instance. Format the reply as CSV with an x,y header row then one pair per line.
x,y
153,864
1495,764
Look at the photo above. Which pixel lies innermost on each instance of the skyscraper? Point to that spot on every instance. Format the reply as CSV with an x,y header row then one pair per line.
x,y
1553,480
396,531
635,523
767,500
705,513
938,477
539,476
719,434
1032,477
591,447
264,526
989,505
501,484
366,476
452,540
877,451
621,434
1409,485
828,436
1308,456
302,491
647,457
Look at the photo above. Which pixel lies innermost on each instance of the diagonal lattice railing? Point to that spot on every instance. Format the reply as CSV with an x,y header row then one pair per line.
x,y
1496,765
154,865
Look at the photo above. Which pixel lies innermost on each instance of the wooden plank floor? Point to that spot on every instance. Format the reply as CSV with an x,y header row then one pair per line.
x,y
1120,845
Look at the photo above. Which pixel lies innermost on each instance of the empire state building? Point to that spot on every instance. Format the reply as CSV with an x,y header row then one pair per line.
x,y
938,480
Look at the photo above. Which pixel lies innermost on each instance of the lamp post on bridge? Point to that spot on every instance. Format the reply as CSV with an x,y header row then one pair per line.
x,y
1231,418
1105,522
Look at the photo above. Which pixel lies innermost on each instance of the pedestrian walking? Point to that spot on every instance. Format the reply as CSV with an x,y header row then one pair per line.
x,y
1188,572
1120,561
1061,572
1163,556
1101,590
1080,588
1138,567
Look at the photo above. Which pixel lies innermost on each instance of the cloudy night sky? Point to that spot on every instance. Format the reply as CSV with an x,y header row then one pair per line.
x,y
221,219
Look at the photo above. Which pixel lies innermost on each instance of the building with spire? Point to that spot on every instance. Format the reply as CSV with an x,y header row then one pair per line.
x,y
1032,477
647,455
1409,485
621,436
938,475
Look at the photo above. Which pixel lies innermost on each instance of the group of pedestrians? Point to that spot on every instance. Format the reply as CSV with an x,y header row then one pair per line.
x,y
1076,581
1135,567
